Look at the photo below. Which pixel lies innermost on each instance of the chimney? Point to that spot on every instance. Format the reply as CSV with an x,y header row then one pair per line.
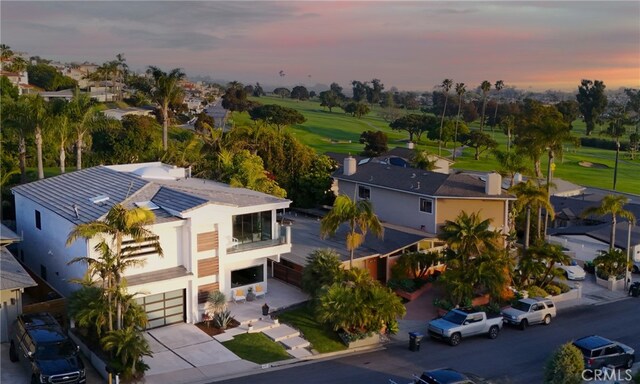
x,y
493,185
349,166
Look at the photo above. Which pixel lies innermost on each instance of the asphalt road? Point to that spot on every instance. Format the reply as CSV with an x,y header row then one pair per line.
x,y
514,357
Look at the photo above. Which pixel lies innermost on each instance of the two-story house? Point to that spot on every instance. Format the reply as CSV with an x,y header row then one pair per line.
x,y
213,236
422,199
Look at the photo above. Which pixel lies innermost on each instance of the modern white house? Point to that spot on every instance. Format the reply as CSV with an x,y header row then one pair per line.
x,y
213,236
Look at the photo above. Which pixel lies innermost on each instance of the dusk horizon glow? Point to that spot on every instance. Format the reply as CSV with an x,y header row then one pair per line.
x,y
410,45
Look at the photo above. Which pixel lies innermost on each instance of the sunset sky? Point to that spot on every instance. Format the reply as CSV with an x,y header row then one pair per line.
x,y
410,45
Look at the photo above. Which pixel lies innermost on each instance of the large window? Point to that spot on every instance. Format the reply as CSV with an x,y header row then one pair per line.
x,y
247,276
364,193
252,227
426,205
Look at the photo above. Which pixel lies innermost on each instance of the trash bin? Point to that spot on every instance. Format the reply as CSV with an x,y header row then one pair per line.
x,y
414,341
634,289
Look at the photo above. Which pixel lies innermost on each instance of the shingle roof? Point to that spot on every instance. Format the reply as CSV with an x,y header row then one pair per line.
x,y
602,232
12,274
419,181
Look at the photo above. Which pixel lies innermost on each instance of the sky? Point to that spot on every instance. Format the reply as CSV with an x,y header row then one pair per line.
x,y
411,45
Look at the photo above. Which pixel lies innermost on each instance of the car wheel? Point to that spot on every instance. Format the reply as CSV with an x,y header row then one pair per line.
x,y
629,363
547,320
454,339
13,356
523,324
493,332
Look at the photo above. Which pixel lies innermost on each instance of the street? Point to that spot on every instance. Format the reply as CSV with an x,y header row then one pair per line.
x,y
514,357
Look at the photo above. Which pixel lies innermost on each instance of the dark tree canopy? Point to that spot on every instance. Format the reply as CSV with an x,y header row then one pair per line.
x,y
337,89
204,123
235,100
374,92
282,92
329,99
414,124
137,139
258,91
277,115
356,109
375,143
48,78
359,91
592,101
300,93
570,110
480,141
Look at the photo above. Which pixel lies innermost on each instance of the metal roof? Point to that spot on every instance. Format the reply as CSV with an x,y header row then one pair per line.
x,y
12,274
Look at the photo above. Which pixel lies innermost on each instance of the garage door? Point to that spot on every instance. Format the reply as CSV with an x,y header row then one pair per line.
x,y
164,308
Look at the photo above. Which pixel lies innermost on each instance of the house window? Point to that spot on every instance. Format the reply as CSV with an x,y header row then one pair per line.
x,y
252,227
426,205
247,276
364,193
38,221
43,272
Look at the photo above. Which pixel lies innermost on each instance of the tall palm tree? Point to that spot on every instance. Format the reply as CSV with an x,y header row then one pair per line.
x,y
15,116
550,255
446,86
360,217
165,91
616,129
498,86
484,87
37,109
612,205
461,89
82,113
530,196
120,223
61,130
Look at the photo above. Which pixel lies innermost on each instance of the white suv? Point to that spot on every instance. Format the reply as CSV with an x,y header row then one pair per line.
x,y
529,311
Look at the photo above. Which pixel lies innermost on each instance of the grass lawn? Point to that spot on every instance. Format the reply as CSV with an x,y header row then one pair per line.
x,y
256,347
322,339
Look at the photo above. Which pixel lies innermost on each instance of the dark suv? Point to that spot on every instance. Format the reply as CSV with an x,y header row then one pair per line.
x,y
38,341
600,352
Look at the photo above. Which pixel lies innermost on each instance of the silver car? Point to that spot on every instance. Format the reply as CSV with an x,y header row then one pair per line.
x,y
529,311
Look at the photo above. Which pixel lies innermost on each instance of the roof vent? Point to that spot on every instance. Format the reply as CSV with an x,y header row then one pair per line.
x,y
99,200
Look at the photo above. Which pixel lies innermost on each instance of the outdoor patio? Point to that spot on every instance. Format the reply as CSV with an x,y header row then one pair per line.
x,y
279,295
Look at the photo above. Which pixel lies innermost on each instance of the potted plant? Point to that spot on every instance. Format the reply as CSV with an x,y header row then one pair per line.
x,y
250,295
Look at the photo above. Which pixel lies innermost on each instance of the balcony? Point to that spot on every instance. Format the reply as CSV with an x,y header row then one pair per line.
x,y
243,247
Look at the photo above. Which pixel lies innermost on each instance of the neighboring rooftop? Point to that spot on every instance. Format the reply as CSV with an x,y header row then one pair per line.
x,y
602,233
12,274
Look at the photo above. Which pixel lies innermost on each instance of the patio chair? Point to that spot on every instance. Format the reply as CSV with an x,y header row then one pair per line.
x,y
259,291
238,295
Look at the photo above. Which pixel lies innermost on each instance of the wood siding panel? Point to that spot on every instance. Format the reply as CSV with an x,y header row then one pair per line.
x,y
207,241
204,290
208,267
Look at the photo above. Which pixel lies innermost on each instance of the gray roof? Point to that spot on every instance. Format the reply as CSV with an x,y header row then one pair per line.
x,y
305,233
602,233
61,193
419,181
572,207
7,236
12,274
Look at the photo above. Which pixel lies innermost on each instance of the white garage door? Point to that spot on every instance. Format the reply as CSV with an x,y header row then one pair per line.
x,y
164,308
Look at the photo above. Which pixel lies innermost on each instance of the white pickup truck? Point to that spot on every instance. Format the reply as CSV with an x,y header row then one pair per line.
x,y
459,323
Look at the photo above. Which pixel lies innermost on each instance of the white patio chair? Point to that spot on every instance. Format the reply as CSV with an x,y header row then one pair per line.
x,y
238,295
259,291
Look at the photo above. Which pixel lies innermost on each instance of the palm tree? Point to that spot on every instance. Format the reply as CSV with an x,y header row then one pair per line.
x,y
165,91
15,115
550,255
498,86
460,91
37,109
529,197
485,87
421,160
616,130
61,129
129,346
446,86
358,215
83,115
119,223
612,205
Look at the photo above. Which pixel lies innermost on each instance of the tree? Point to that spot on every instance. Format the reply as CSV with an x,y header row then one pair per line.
x,y
611,205
47,77
375,143
423,160
374,93
276,115
498,87
469,236
570,111
135,139
359,91
530,196
551,255
83,115
356,109
415,265
246,170
329,99
414,124
446,86
119,224
300,93
282,92
480,141
565,366
15,115
166,91
129,346
204,123
258,91
510,164
592,101
360,218
616,129
508,124
61,129
37,110
484,87
323,269
7,89
460,91
337,89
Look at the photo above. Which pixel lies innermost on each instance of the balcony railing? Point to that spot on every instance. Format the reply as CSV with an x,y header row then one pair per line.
x,y
256,245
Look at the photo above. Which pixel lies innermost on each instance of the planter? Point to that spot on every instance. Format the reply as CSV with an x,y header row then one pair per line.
x,y
366,342
611,284
415,294
97,362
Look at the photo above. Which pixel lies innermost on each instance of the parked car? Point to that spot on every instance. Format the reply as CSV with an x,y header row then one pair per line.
x,y
529,311
600,352
38,341
572,272
446,376
459,323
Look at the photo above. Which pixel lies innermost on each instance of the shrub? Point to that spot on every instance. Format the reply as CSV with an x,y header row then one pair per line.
x,y
222,319
565,366
564,288
406,285
322,270
553,290
442,303
535,291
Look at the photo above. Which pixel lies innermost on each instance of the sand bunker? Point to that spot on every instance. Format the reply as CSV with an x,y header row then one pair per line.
x,y
589,164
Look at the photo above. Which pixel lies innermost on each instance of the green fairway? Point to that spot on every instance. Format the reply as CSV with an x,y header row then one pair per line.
x,y
336,131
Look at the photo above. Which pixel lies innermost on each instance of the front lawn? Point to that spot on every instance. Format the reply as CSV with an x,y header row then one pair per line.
x,y
322,339
256,347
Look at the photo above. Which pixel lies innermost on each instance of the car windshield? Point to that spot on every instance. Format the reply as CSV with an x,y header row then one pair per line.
x,y
57,350
521,306
455,317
